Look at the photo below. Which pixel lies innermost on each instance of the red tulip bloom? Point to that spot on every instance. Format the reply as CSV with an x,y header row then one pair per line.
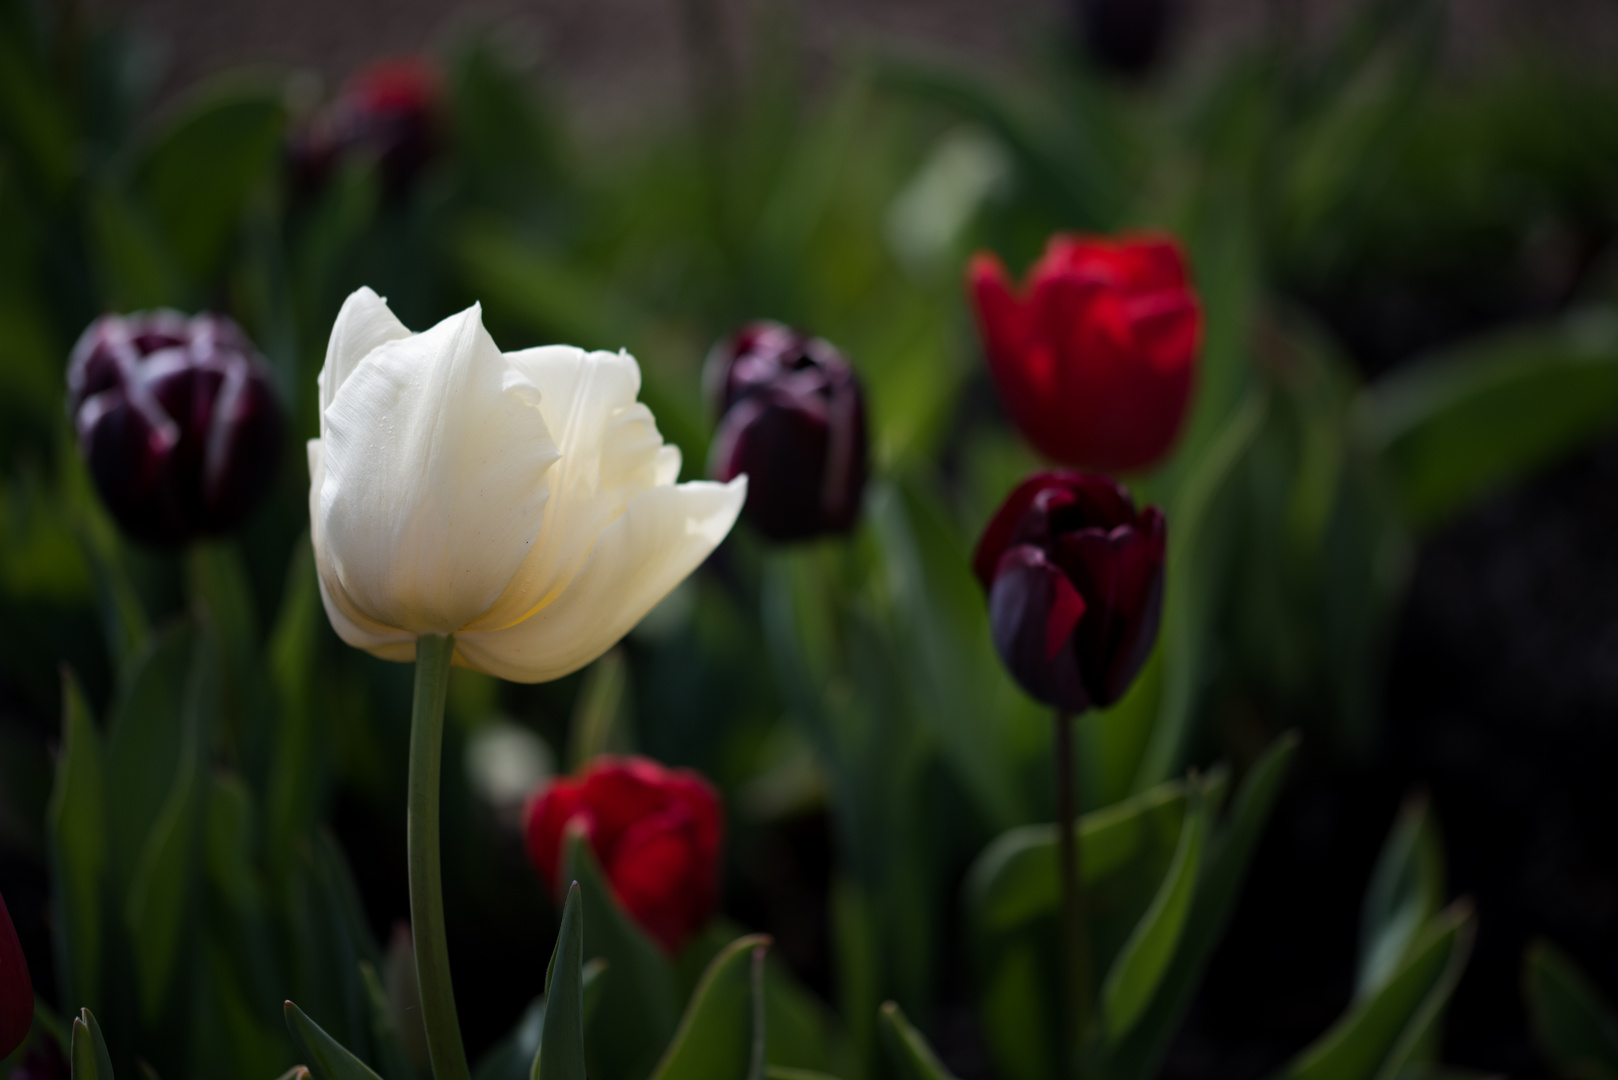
x,y
1075,581
655,831
16,989
1096,356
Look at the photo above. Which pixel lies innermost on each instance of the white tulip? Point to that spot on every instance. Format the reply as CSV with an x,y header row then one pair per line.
x,y
522,501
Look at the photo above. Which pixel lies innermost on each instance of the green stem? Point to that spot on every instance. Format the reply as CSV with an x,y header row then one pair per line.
x,y
444,1047
1075,928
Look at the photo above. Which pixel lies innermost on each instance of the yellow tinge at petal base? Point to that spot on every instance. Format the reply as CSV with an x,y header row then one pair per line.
x,y
522,501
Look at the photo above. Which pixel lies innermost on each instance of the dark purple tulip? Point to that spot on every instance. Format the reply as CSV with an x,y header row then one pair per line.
x,y
16,989
793,419
1125,36
177,421
1075,581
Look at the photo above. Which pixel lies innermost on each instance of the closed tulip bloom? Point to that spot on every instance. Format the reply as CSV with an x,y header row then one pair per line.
x,y
655,832
16,989
522,501
792,419
1075,581
177,421
1096,357
389,111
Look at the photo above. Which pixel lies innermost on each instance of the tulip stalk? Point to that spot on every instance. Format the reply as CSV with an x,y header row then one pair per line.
x,y
1074,919
444,1048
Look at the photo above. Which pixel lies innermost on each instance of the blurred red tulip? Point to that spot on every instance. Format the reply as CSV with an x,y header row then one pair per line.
x,y
655,831
1075,581
1096,358
16,989
389,109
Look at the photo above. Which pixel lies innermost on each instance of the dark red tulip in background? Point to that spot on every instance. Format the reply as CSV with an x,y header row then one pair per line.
x,y
176,420
1075,582
792,417
16,989
655,831
1096,358
389,110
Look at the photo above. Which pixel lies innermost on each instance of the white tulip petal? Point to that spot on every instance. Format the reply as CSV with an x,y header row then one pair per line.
x,y
436,455
364,322
664,534
353,627
611,452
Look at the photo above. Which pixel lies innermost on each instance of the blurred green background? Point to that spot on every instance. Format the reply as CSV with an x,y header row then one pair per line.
x,y
1389,509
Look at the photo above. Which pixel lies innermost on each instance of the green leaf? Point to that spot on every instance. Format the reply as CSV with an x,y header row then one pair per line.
x,y
721,1036
145,732
1193,559
599,725
1224,866
1574,1028
513,1057
76,840
908,1048
298,764
1407,889
1378,1030
386,1042
1011,896
1144,959
1459,425
561,1046
198,173
328,1060
639,1008
158,910
87,1050
782,1072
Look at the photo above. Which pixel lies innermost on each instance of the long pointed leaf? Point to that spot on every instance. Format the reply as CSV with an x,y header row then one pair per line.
x,y
908,1049
1576,1029
639,1007
1145,957
721,1036
561,1045
328,1058
87,1051
77,847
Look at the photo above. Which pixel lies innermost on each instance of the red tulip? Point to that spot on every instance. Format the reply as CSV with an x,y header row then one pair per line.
x,y
16,989
1075,582
1096,357
655,831
389,109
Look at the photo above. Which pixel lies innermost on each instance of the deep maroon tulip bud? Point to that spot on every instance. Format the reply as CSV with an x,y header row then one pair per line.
x,y
388,110
16,989
792,418
1125,36
176,420
1075,582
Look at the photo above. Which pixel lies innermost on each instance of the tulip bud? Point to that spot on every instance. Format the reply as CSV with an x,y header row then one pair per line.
x,y
1095,359
1075,582
1125,36
792,418
655,831
177,421
16,989
389,110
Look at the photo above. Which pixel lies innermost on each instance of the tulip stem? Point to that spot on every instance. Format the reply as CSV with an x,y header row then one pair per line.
x,y
444,1047
1075,928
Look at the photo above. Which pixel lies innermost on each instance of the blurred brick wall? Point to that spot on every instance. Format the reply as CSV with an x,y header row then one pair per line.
x,y
618,65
